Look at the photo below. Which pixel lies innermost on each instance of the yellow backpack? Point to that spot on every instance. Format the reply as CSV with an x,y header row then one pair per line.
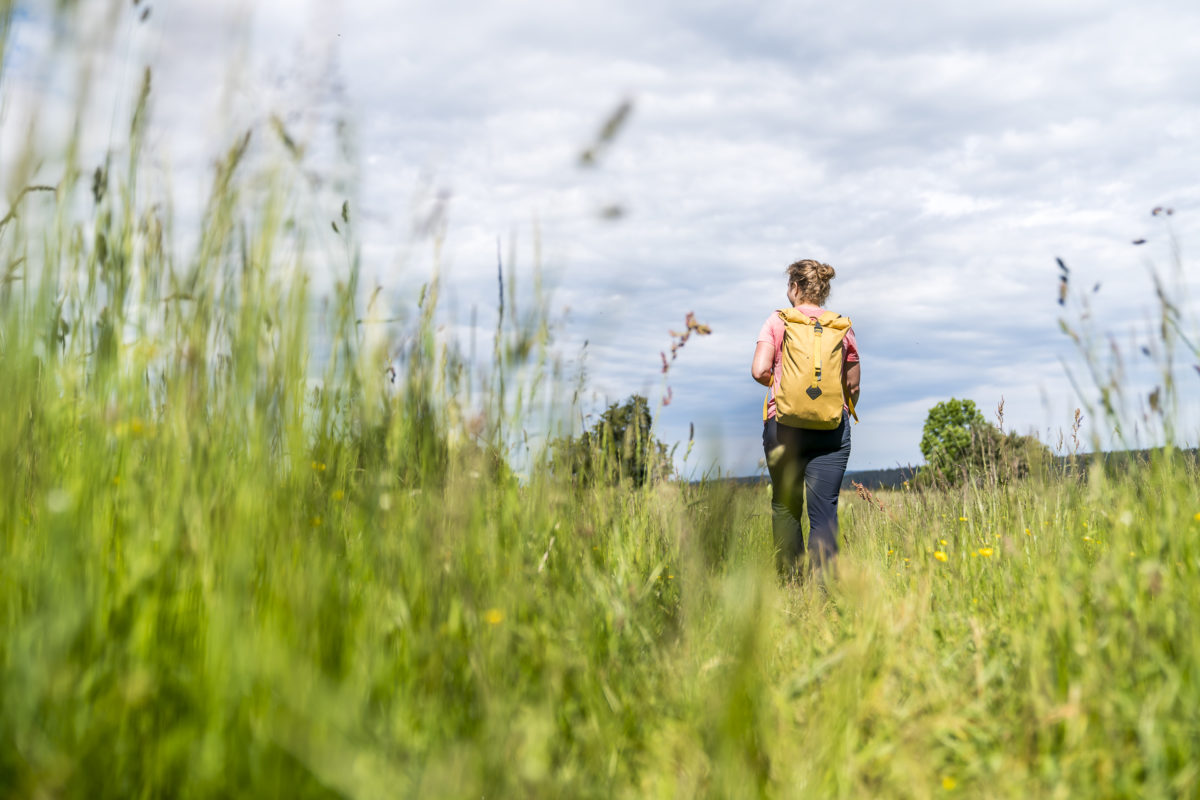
x,y
810,393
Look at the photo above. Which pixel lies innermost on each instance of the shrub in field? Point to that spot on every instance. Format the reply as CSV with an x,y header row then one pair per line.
x,y
953,430
620,447
960,446
1013,455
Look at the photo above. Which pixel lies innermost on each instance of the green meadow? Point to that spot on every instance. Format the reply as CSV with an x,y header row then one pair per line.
x,y
239,558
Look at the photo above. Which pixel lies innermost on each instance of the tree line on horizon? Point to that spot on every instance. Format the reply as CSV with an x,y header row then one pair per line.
x,y
959,446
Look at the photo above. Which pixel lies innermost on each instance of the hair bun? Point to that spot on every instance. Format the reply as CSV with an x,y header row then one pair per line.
x,y
811,278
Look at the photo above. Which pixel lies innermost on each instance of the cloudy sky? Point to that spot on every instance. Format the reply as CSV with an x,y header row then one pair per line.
x,y
939,155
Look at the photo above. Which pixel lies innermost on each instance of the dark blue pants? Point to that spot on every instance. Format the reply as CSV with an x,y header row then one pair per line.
x,y
800,459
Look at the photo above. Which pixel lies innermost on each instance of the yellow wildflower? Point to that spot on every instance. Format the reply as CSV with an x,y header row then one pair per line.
x,y
493,616
1196,517
962,519
942,541
316,522
986,552
338,494
948,783
318,466
939,555
1028,532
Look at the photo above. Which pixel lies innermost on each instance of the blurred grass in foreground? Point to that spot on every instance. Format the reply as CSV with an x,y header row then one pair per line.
x,y
220,577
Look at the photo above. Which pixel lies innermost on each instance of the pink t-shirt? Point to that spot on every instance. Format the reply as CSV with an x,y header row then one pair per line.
x,y
772,334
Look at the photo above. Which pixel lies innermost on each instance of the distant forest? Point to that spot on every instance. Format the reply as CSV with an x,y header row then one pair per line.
x,y
895,477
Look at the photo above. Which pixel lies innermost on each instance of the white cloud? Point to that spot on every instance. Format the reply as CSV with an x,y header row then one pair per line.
x,y
940,160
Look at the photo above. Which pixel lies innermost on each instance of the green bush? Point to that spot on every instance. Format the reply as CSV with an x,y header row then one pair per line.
x,y
620,447
960,446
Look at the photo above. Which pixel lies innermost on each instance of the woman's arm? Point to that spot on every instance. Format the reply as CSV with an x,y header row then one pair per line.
x,y
853,378
764,363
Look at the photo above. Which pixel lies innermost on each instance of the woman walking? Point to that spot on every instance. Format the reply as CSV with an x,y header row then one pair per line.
x,y
806,450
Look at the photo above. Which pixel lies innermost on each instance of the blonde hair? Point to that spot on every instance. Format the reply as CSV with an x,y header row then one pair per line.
x,y
811,279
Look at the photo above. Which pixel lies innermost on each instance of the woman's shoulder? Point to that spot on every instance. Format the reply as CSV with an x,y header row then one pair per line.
x,y
772,329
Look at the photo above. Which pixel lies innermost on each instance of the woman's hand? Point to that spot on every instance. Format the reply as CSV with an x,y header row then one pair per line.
x,y
764,363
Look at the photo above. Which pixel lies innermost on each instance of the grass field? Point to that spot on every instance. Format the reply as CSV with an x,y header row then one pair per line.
x,y
227,569
190,610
